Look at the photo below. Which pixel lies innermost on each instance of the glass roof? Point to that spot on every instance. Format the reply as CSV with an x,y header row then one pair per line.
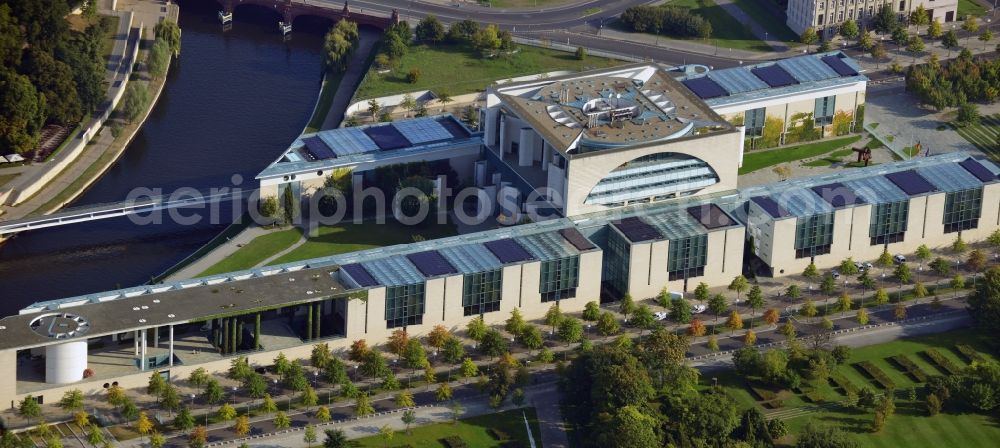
x,y
806,69
422,130
547,246
471,258
949,177
347,141
877,190
676,224
393,271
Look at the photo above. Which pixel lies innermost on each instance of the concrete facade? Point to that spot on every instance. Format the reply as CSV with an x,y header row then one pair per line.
x,y
827,15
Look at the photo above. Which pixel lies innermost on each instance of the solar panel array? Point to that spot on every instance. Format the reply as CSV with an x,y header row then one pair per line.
x,y
348,141
637,230
318,149
808,69
705,88
360,275
422,130
949,177
431,263
838,65
710,216
387,137
508,251
774,76
837,194
772,208
910,182
737,81
576,238
978,170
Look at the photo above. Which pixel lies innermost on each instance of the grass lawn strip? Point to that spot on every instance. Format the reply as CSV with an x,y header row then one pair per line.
x,y
906,365
775,26
727,32
474,431
354,237
754,161
877,374
967,7
941,361
255,251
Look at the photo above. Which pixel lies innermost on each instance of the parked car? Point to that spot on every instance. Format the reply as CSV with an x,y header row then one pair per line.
x,y
835,274
862,267
660,315
698,308
899,259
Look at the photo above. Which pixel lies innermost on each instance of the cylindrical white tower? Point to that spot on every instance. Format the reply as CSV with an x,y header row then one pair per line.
x,y
65,363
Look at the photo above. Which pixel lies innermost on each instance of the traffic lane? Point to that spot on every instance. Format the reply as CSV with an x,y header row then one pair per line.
x,y
661,53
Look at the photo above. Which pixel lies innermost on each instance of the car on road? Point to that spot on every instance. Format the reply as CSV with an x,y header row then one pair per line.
x,y
835,274
698,308
862,267
660,315
899,259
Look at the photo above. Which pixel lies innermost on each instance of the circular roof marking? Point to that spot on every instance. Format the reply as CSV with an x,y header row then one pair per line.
x,y
59,325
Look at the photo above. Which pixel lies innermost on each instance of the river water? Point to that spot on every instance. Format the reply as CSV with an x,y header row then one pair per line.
x,y
231,103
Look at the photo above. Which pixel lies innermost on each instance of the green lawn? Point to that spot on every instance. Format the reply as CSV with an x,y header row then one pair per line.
x,y
354,237
966,7
754,161
983,135
4,178
774,25
727,32
326,94
457,69
255,252
909,427
473,432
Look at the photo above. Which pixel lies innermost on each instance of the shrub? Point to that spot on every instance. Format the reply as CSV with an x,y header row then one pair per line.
x,y
944,363
453,442
498,434
970,353
842,382
88,372
909,367
877,374
413,75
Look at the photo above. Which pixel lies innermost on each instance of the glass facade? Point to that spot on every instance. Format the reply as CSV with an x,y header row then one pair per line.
x,y
481,292
825,108
687,257
616,265
754,122
813,235
404,305
889,222
559,278
962,209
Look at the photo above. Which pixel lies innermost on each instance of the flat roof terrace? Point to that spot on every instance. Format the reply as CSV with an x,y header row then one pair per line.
x,y
179,303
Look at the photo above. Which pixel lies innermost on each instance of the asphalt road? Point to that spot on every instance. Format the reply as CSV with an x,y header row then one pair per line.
x,y
565,24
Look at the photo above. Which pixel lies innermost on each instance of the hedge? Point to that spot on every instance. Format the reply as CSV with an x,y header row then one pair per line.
x,y
944,363
877,374
454,442
909,367
843,383
970,353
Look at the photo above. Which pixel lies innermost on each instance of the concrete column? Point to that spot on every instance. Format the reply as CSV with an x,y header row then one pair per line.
x,y
526,147
171,350
135,342
504,139
546,155
142,351
156,337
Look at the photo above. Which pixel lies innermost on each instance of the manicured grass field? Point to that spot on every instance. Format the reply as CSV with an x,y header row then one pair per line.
x,y
256,251
754,161
354,237
966,7
727,32
458,69
472,430
774,25
326,94
910,426
983,135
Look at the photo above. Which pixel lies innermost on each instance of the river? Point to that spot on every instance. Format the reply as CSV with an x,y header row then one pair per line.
x,y
231,103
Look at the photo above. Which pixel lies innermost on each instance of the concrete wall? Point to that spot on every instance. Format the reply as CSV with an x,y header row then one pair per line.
x,y
802,14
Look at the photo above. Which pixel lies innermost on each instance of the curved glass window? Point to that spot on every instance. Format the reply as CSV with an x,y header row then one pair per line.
x,y
658,176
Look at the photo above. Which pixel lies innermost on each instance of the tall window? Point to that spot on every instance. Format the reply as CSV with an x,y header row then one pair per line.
x,y
686,257
481,292
813,235
962,209
889,222
617,266
404,305
754,122
559,278
824,110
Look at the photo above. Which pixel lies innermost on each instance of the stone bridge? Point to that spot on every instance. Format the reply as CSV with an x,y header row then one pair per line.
x,y
290,9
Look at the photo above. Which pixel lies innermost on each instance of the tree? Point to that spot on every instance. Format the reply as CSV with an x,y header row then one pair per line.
x,y
985,37
697,328
878,52
430,30
443,392
242,425
755,300
881,296
553,316
591,311
885,20
847,267
214,393
476,329
826,324
866,41
970,25
949,41
580,54
494,344
404,399
809,37
515,324
815,436
135,101
81,419
735,322
374,108
862,317
607,325
934,29
226,412
115,396
794,292
309,437
919,291
680,311
570,330
712,344
308,397
849,29
72,400
156,440
130,411
438,336
941,267
627,306
808,309
902,273
469,368
933,404
701,292
749,338
22,111
322,414
374,365
159,58
143,425
453,350
923,254
633,428
386,433
184,420
531,338
900,311
717,305
994,239
268,405
282,421
363,406
29,408
95,436
444,98
968,114
338,45
976,261
984,304
787,330
919,17
643,318
844,303
828,286
739,285
335,438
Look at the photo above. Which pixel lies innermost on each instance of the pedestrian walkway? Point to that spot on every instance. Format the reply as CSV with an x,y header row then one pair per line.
x,y
220,253
756,28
